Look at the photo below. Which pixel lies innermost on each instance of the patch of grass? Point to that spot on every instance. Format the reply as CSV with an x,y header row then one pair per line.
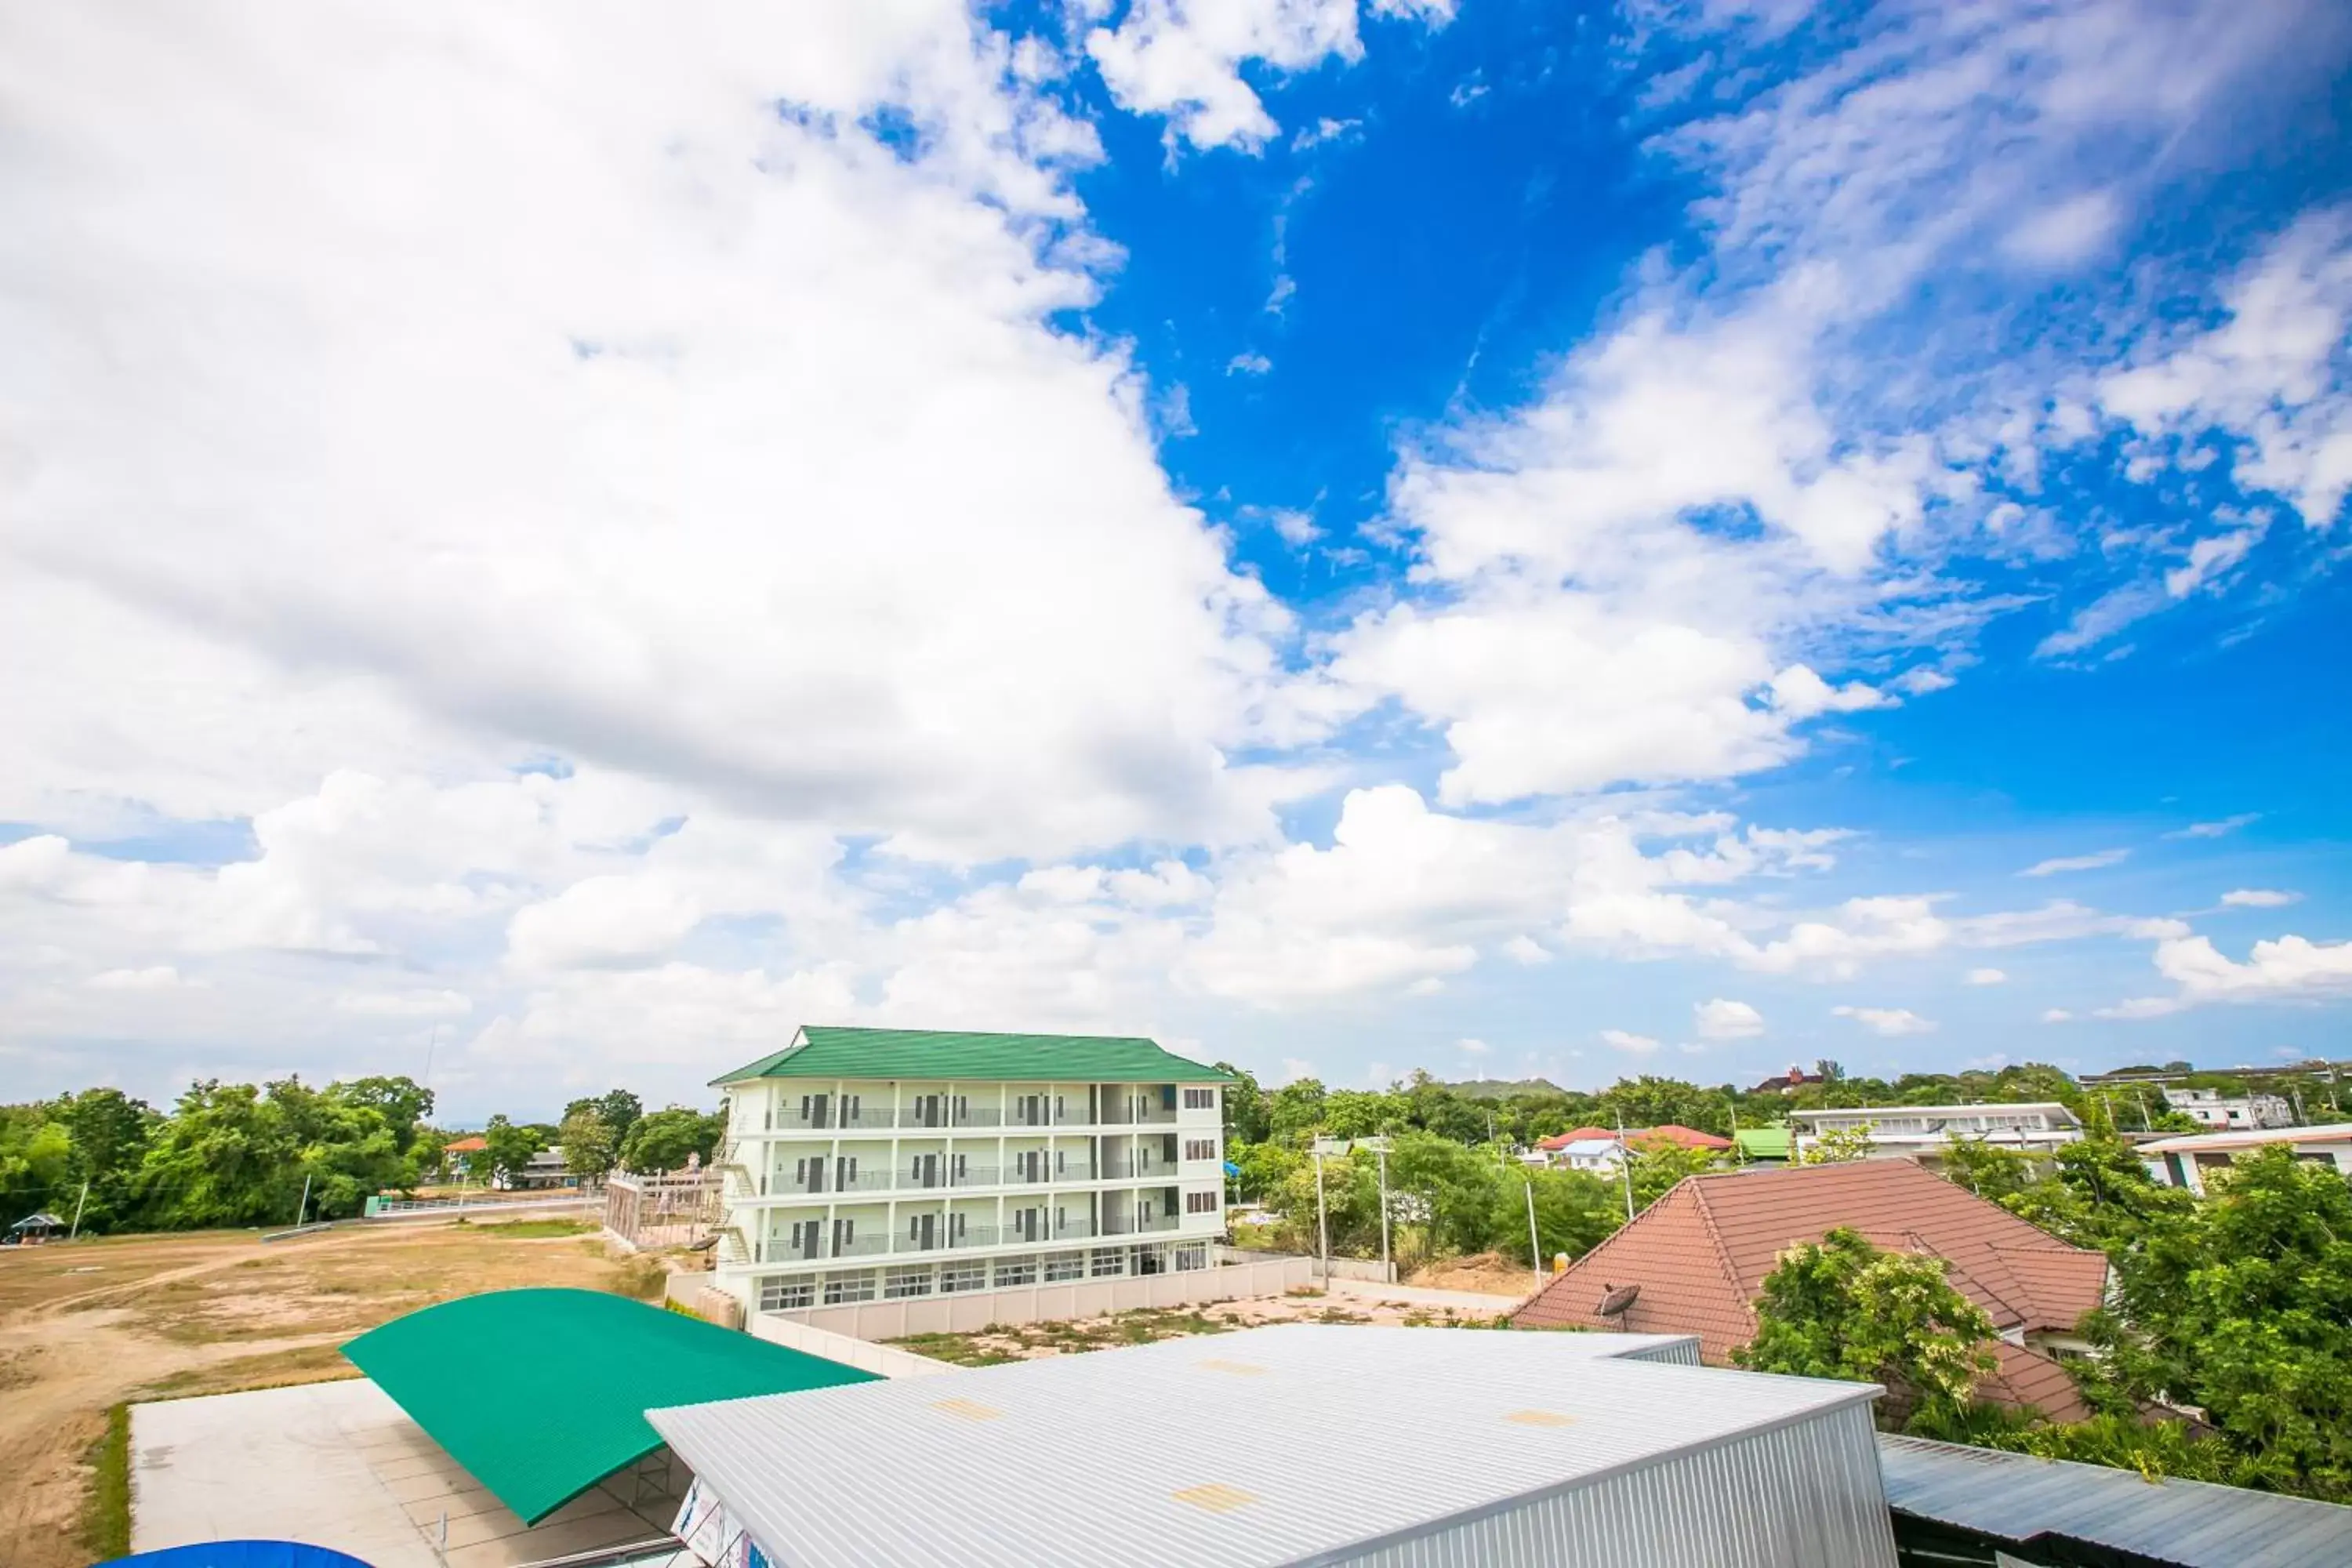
x,y
962,1350
643,1278
533,1229
105,1516
274,1369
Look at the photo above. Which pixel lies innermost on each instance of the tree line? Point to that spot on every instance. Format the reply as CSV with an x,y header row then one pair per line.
x,y
234,1155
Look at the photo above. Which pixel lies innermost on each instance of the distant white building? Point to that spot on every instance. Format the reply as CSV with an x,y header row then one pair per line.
x,y
1927,1131
2185,1161
881,1164
2209,1107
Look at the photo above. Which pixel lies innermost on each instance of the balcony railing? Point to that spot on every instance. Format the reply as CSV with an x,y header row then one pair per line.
x,y
835,1118
972,1178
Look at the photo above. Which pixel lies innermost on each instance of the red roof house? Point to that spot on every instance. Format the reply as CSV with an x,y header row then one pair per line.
x,y
1674,1132
1694,1261
1574,1135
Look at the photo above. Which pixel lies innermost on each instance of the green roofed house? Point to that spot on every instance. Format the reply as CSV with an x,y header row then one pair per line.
x,y
542,1395
874,1164
1762,1145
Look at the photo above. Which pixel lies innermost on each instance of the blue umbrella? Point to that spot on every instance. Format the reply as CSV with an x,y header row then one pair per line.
x,y
1232,1169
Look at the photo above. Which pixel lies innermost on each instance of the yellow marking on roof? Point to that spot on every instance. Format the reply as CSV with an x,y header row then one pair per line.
x,y
1540,1418
1239,1368
1215,1498
964,1409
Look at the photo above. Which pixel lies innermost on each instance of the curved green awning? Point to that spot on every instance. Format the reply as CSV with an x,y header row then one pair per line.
x,y
542,1393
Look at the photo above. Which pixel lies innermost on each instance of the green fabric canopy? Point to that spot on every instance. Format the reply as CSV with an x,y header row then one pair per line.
x,y
542,1393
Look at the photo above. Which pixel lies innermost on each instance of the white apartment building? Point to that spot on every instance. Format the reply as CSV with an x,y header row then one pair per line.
x,y
1925,1131
875,1164
2209,1107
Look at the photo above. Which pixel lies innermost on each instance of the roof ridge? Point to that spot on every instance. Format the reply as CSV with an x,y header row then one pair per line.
x,y
1723,1256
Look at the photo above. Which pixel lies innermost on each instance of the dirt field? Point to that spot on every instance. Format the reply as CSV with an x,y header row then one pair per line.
x,y
84,1327
1145,1325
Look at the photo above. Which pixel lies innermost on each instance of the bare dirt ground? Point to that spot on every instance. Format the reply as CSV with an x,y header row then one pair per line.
x,y
1026,1342
87,1326
1489,1273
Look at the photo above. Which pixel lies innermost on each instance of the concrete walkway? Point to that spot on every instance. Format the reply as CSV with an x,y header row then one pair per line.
x,y
1420,1296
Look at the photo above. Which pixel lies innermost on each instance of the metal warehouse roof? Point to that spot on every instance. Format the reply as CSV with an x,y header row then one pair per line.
x,y
2020,1498
821,1051
542,1393
1269,1445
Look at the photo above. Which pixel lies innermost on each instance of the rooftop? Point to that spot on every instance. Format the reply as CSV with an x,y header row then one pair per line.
x,y
1700,1254
824,1051
1995,1108
539,1395
1260,1443
2248,1138
2020,1498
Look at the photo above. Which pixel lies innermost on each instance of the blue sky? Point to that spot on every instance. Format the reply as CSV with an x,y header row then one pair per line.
x,y
1498,537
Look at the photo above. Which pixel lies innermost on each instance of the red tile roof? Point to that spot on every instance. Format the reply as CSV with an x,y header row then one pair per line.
x,y
1700,1254
1575,1135
465,1146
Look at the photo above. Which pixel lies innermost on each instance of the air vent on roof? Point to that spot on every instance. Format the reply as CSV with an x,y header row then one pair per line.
x,y
1618,1298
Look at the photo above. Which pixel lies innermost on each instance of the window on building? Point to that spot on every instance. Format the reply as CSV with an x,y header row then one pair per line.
x,y
1166,1096
1200,1148
1109,1260
840,1290
905,1282
788,1293
1200,1100
1199,1202
1193,1255
1064,1266
1012,1271
963,1276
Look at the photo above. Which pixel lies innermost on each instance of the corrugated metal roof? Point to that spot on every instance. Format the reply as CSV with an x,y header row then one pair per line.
x,y
542,1393
1268,1446
2017,1497
965,1056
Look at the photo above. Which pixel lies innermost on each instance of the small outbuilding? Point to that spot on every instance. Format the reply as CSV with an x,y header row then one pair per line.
x,y
1298,1444
35,1228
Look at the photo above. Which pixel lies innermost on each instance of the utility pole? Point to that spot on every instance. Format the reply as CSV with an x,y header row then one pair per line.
x,y
305,1204
1626,1167
1534,1245
78,1206
1388,1269
1322,1216
2300,1118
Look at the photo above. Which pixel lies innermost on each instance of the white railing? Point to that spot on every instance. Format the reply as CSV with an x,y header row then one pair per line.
x,y
973,1178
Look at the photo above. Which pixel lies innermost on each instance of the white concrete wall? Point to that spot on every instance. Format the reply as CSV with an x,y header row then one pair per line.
x,y
888,1361
1365,1268
969,1312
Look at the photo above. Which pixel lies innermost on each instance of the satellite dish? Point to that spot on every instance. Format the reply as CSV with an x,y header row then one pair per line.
x,y
1619,1298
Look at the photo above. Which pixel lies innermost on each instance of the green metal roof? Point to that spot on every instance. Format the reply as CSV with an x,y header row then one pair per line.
x,y
542,1393
1762,1143
970,1058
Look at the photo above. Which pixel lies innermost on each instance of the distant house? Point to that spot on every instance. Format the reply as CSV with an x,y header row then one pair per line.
x,y
1695,1263
1927,1131
2185,1161
2209,1108
1601,1150
1795,1079
546,1170
1762,1145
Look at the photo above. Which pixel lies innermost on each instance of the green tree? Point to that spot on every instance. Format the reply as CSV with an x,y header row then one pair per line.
x,y
1295,1110
1659,1165
402,1103
589,1144
1841,1307
2241,1307
1247,1118
661,1140
618,1110
1985,1171
1576,1210
509,1146
1838,1146
1651,1101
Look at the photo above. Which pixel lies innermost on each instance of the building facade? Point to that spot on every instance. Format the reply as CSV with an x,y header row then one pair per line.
x,y
2188,1159
1925,1131
872,1165
2209,1108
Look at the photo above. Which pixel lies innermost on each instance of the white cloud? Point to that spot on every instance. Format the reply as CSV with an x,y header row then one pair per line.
x,y
749,437
1725,1020
1986,977
405,1003
2057,1015
1632,1044
1326,129
156,977
1294,1068
2221,829
2257,898
1248,363
2285,966
1472,1047
2096,860
1890,1022
1182,58
1296,526
1525,949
